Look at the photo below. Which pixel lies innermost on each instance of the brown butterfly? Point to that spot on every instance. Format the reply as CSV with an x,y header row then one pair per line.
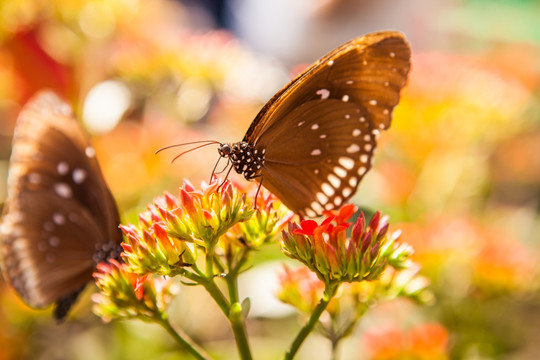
x,y
60,218
314,141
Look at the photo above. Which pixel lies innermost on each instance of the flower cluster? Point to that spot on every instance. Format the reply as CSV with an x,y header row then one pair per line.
x,y
327,250
123,294
220,218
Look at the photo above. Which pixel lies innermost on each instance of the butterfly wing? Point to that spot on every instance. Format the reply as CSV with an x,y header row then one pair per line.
x,y
348,96
60,216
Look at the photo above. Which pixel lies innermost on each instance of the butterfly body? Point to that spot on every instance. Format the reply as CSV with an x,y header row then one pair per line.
x,y
313,142
244,158
60,218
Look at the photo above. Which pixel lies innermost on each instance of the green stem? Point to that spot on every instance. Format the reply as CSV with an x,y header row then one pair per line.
x,y
217,295
184,340
209,260
240,336
236,316
329,293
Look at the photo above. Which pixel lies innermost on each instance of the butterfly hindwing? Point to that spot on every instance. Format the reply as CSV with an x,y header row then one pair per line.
x,y
325,171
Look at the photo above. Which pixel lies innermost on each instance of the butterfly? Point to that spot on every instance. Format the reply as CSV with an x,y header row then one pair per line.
x,y
313,141
60,218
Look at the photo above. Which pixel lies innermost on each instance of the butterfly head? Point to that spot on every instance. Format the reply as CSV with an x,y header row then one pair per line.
x,y
225,150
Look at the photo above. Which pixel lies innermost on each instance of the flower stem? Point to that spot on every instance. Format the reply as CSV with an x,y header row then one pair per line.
x,y
217,295
236,317
329,293
183,339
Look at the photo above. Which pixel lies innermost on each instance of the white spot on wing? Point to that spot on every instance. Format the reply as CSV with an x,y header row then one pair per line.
x,y
345,98
315,152
341,172
353,148
334,180
321,197
372,102
314,126
325,93
362,170
79,175
90,152
62,168
347,191
327,189
317,207
63,190
54,241
364,158
356,132
331,62
346,162
310,212
322,136
368,147
353,182
59,219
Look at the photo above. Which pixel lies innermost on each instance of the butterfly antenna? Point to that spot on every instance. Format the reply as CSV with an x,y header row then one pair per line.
x,y
195,148
208,142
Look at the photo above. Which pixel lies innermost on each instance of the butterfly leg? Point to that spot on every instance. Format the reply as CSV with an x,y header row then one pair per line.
x,y
214,170
226,177
258,189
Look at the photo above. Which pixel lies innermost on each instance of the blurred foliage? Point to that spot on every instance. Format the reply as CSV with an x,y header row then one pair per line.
x,y
460,169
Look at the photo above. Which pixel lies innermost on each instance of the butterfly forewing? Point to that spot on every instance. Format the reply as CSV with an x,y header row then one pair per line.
x,y
319,132
372,67
60,213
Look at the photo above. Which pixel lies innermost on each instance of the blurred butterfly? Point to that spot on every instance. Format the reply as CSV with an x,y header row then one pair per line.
x,y
60,218
314,141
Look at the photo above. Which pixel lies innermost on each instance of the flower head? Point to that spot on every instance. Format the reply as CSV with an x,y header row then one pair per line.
x,y
327,250
126,295
217,219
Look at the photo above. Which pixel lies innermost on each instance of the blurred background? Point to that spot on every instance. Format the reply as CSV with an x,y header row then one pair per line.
x,y
459,170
